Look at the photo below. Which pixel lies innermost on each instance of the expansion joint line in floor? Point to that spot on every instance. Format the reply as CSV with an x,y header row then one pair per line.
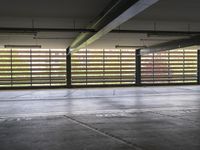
x,y
172,116
116,138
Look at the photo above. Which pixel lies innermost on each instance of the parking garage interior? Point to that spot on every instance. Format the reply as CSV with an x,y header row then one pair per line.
x,y
93,75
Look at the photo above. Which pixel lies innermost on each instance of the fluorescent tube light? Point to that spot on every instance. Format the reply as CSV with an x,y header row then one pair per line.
x,y
22,46
129,46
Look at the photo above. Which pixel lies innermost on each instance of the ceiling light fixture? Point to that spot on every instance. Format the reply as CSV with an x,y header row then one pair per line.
x,y
168,35
17,33
22,46
155,40
53,38
129,46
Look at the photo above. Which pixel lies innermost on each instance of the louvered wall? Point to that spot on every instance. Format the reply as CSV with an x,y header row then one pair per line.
x,y
32,67
94,67
103,67
175,66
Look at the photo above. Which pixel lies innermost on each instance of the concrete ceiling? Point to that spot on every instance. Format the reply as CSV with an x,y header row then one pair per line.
x,y
52,8
166,15
170,10
173,10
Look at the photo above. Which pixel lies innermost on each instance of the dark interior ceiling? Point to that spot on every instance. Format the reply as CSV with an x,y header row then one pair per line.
x,y
178,10
168,15
173,10
51,8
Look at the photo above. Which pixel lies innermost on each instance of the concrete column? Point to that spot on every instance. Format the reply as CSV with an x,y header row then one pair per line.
x,y
138,67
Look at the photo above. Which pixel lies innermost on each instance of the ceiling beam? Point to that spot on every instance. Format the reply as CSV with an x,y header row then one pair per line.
x,y
116,13
80,30
174,44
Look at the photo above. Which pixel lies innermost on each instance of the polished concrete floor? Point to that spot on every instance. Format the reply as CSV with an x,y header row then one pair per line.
x,y
132,118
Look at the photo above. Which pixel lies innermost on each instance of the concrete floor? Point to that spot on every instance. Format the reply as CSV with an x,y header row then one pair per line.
x,y
135,118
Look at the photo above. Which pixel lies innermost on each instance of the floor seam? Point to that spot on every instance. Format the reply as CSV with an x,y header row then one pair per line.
x,y
116,138
99,97
18,96
69,94
177,117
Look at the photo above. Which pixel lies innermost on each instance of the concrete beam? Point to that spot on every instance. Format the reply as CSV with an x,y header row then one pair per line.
x,y
174,44
116,14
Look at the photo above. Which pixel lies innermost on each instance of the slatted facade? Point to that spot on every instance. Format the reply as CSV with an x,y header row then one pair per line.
x,y
167,67
95,67
103,67
32,67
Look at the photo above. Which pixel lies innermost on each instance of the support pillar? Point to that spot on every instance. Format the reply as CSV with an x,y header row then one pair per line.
x,y
138,67
68,68
198,66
